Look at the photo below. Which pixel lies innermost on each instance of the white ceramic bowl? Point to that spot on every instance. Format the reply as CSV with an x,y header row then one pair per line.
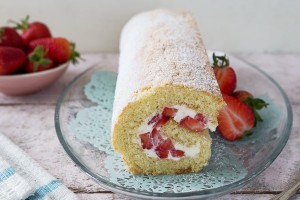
x,y
21,84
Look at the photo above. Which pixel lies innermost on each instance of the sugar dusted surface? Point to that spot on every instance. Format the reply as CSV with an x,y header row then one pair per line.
x,y
157,48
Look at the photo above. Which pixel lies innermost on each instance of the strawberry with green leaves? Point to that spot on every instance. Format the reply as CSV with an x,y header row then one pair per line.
x,y
32,31
240,114
225,74
59,50
37,61
10,37
254,103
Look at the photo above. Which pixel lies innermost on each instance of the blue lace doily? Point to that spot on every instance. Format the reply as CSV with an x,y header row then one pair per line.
x,y
93,125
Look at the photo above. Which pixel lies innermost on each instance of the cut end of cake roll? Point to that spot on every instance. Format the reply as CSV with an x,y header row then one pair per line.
x,y
166,130
167,96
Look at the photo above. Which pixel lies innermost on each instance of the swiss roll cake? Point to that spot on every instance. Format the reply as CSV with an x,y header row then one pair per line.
x,y
167,97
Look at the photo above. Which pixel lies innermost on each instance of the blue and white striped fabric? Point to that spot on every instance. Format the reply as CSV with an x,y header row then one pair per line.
x,y
22,178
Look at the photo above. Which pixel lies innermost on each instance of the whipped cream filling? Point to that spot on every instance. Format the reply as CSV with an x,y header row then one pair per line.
x,y
182,112
191,151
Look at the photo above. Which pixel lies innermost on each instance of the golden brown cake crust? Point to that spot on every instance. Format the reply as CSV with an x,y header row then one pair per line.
x,y
161,47
163,62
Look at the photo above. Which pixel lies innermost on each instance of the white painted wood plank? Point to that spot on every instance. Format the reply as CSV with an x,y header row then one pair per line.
x,y
283,68
32,129
252,197
96,196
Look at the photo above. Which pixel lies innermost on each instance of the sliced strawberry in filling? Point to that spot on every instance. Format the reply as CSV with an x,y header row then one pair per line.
x,y
164,153
162,150
156,137
146,141
192,124
200,117
169,112
162,121
154,119
165,144
177,153
161,146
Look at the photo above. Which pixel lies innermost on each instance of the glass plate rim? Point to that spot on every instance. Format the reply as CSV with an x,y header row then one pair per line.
x,y
186,195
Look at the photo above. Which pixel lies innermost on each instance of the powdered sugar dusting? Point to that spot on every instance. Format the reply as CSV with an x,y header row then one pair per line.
x,y
157,48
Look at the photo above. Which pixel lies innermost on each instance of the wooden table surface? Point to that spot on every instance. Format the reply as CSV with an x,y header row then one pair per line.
x,y
29,122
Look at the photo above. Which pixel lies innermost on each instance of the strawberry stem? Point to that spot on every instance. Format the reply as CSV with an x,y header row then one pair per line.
x,y
256,104
37,57
220,61
1,32
22,25
74,54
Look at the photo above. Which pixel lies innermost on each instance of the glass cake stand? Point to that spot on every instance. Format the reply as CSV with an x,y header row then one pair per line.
x,y
82,122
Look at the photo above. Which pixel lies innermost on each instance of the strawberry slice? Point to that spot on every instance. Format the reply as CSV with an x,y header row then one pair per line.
x,y
164,153
146,141
177,153
162,150
154,119
225,74
156,137
162,121
242,95
165,144
235,119
169,112
201,118
254,103
192,124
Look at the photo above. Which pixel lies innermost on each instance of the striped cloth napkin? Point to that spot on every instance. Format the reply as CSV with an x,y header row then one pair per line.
x,y
22,178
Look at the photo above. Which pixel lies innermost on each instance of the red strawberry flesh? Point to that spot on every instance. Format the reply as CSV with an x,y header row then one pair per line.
x,y
177,153
162,121
146,141
165,144
235,119
163,153
156,141
192,124
154,119
169,112
156,137
162,150
201,118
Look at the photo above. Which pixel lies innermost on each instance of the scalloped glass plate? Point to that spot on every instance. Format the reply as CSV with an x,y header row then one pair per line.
x,y
82,121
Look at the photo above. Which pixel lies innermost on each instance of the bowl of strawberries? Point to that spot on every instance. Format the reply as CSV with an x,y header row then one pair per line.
x,y
31,58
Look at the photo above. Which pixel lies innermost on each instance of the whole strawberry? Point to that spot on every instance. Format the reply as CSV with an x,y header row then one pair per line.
x,y
32,31
37,61
225,74
11,59
59,49
10,37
